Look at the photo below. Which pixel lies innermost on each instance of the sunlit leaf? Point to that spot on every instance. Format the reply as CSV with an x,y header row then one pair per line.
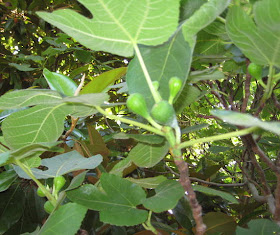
x,y
60,82
112,29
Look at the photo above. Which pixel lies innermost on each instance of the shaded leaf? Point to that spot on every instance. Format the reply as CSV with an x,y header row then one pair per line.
x,y
22,67
218,222
62,164
144,138
259,227
116,201
214,192
6,179
66,220
208,74
194,128
167,196
111,28
77,181
259,40
172,59
119,168
11,207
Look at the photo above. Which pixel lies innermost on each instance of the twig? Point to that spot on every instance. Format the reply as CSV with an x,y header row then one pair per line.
x,y
247,91
262,155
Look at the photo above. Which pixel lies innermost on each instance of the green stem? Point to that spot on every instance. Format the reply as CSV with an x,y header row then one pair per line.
x,y
268,90
221,19
131,122
148,225
218,137
41,186
155,94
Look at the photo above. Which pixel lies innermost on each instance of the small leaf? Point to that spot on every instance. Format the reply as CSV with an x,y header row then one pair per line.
x,y
6,179
194,128
188,95
62,164
259,227
208,74
167,196
150,183
242,119
77,181
22,67
144,138
66,220
119,168
60,83
214,192
101,82
144,155
116,201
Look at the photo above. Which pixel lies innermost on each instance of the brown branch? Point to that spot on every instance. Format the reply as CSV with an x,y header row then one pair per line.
x,y
186,183
276,215
261,154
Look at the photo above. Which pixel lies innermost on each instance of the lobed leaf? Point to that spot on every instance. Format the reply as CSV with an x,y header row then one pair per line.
x,y
116,201
112,29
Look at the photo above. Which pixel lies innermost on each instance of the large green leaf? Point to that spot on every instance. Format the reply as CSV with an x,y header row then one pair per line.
x,y
172,59
242,119
167,196
116,201
205,15
144,155
118,25
215,192
101,82
61,165
25,98
259,227
66,220
259,40
60,83
42,123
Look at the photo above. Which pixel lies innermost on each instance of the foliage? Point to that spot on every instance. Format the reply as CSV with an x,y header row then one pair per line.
x,y
149,113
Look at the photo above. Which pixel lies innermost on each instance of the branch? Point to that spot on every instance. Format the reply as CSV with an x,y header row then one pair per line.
x,y
252,143
247,91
